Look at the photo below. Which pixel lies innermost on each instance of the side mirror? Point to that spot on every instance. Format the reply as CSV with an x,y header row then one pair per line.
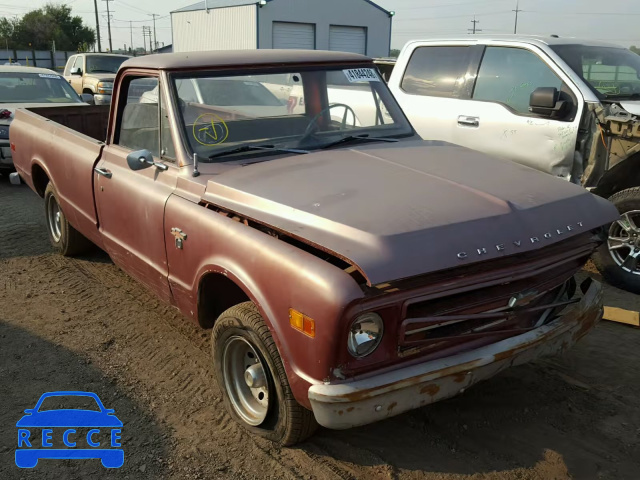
x,y
29,411
88,98
109,411
141,159
76,71
547,102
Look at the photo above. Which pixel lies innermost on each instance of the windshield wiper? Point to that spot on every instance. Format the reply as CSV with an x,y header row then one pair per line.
x,y
622,96
249,148
359,138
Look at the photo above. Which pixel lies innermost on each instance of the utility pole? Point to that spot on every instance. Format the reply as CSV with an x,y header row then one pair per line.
x,y
155,41
109,24
517,10
474,29
146,32
131,28
95,4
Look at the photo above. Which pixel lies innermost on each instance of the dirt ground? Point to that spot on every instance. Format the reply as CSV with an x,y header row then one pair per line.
x,y
82,324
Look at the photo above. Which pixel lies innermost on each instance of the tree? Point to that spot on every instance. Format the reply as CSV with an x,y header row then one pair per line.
x,y
635,49
39,28
395,53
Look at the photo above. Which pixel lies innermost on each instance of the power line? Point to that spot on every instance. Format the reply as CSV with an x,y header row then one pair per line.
x,y
474,29
109,24
95,5
517,10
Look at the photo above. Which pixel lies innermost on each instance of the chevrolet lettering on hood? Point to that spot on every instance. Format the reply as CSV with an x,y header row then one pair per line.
x,y
502,247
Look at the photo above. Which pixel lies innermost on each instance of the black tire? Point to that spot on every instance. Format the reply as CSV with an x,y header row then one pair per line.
x,y
287,422
625,201
67,241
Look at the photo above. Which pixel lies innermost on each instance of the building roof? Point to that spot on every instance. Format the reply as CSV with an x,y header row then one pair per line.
x,y
240,58
531,39
211,4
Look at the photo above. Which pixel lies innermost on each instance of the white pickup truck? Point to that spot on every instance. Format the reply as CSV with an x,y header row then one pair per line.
x,y
568,107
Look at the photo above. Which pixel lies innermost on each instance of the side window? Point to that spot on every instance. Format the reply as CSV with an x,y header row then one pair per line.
x,y
139,124
69,65
436,71
510,75
78,63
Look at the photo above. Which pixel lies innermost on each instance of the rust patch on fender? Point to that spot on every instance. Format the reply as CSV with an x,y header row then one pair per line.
x,y
459,377
392,406
430,389
350,409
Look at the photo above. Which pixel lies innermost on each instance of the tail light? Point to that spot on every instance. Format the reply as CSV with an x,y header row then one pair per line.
x,y
5,114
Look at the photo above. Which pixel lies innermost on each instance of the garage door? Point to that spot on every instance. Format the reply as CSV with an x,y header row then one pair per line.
x,y
294,35
348,39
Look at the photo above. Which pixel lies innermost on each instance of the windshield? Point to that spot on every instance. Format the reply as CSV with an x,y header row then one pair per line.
x,y
69,402
610,71
307,110
104,63
16,87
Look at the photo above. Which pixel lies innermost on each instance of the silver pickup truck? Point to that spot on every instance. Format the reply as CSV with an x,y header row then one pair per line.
x,y
568,107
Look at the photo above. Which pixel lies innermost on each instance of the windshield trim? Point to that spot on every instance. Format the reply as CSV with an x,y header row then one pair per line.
x,y
209,72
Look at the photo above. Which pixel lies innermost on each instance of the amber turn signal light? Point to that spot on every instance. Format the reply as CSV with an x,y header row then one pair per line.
x,y
302,323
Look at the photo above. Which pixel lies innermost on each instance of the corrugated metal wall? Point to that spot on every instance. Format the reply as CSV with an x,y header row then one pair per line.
x,y
233,28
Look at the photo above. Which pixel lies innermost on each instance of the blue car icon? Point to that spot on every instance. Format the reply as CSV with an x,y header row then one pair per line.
x,y
29,450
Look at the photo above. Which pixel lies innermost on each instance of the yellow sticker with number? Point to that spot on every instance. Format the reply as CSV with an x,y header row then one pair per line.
x,y
210,130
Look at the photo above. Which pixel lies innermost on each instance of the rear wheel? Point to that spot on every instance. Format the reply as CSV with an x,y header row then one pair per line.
x,y
65,239
619,259
252,378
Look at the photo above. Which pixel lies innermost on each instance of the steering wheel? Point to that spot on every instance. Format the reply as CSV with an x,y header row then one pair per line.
x,y
310,130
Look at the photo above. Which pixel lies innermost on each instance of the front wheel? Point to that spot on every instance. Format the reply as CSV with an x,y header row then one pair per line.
x,y
619,259
253,380
65,239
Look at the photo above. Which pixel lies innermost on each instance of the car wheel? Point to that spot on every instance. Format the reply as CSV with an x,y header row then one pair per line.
x,y
618,260
252,378
65,239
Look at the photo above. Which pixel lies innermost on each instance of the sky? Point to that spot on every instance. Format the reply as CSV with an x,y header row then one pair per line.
x,y
615,21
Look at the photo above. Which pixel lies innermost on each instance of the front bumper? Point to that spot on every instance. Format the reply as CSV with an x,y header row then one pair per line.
x,y
346,405
102,99
6,159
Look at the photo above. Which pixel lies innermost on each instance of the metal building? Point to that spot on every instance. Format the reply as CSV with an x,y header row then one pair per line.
x,y
358,26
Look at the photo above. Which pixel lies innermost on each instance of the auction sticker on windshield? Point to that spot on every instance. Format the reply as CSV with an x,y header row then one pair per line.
x,y
357,75
49,75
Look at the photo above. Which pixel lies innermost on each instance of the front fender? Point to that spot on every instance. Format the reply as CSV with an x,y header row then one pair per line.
x,y
276,276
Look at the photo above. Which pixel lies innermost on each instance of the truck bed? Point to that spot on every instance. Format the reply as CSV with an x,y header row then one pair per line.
x,y
91,121
62,145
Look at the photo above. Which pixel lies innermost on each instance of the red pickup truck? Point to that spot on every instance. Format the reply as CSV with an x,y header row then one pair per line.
x,y
350,270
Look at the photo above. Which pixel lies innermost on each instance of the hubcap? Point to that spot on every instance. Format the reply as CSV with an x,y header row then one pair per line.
x,y
624,242
245,380
54,219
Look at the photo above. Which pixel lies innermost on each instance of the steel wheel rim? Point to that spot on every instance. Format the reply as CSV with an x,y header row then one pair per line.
x,y
241,366
624,242
54,219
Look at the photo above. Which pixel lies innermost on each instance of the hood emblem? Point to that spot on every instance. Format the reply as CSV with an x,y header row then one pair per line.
x,y
179,236
516,244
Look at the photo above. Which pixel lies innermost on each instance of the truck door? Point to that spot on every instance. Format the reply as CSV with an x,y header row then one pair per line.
x,y
76,80
434,85
131,203
497,121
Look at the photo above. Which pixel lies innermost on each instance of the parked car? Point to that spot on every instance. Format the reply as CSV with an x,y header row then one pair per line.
x,y
568,107
93,74
350,273
28,87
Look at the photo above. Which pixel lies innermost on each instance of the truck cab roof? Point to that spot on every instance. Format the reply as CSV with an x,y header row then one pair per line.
x,y
215,59
539,40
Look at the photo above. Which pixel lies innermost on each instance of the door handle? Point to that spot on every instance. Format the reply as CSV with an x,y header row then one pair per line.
x,y
105,173
465,121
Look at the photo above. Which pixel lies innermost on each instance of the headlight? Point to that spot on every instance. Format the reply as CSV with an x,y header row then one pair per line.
x,y
365,335
105,87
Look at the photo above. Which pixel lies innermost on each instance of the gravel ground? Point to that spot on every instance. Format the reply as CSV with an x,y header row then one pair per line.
x,y
82,324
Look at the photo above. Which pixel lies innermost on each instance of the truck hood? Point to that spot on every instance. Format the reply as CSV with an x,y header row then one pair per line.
x,y
400,210
100,77
631,106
